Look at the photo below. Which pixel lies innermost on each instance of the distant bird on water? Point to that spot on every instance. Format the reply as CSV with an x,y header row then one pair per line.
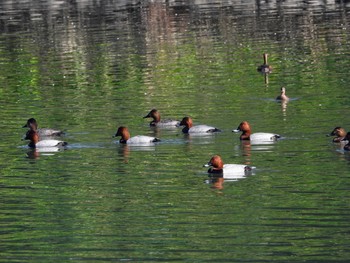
x,y
282,96
265,68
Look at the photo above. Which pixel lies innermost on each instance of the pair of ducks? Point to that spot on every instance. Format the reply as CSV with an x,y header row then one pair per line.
x,y
35,135
341,136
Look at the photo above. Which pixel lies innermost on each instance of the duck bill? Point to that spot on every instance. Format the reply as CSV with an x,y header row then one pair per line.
x,y
236,130
207,165
25,126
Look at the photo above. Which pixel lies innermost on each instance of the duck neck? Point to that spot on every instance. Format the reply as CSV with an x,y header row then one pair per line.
x,y
122,141
265,59
185,129
156,118
32,144
125,136
245,135
216,171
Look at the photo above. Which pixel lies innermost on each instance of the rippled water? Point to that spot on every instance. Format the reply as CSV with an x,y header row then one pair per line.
x,y
88,67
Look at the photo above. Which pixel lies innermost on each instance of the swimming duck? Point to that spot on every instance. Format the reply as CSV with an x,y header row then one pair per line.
x,y
158,122
33,136
189,128
43,132
229,171
265,68
339,134
283,95
244,127
347,138
139,139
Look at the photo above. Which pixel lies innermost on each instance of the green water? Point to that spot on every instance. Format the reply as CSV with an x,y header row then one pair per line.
x,y
97,66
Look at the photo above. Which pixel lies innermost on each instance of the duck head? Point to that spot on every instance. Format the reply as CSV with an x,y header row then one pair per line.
x,y
124,133
244,127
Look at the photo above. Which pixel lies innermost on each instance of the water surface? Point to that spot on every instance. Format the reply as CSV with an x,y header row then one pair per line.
x,y
88,67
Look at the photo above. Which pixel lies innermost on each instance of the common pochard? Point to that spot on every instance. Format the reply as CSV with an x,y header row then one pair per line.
x,y
229,171
244,127
139,139
189,128
34,137
282,96
339,134
43,132
155,115
265,68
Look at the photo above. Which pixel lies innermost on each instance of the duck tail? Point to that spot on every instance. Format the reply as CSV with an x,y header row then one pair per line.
x,y
277,136
62,144
249,168
214,130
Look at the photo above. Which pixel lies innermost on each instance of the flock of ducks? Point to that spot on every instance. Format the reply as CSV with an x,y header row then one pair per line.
x,y
46,138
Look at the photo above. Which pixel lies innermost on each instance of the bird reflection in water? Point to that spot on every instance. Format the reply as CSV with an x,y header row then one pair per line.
x,y
283,99
216,182
34,153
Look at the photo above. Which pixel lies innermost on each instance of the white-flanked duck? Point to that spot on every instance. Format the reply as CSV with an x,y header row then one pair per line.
x,y
136,140
227,171
35,141
244,127
189,128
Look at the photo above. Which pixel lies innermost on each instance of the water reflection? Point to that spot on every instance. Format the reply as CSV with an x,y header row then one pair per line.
x,y
266,79
199,138
47,151
216,183
284,104
248,147
159,132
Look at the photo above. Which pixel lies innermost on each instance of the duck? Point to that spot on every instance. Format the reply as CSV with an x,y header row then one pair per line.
x,y
228,171
282,96
347,145
35,141
139,139
339,134
189,128
43,132
265,68
157,122
244,127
